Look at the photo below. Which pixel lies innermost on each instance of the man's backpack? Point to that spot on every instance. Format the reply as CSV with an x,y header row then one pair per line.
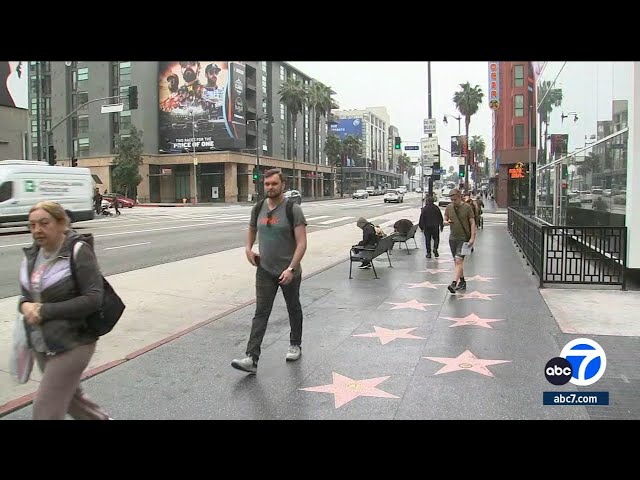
x,y
288,208
102,321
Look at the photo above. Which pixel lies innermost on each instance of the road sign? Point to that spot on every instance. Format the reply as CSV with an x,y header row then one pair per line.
x,y
116,107
429,126
412,147
428,171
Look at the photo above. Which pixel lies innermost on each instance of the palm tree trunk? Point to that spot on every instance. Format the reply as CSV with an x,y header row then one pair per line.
x,y
294,149
316,135
466,157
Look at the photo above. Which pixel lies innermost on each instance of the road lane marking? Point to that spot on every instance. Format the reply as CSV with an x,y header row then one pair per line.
x,y
317,218
335,220
125,246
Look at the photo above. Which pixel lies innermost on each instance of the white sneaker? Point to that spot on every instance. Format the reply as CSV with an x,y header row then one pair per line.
x,y
293,353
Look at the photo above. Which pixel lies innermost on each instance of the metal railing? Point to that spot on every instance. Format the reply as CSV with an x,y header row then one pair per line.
x,y
581,255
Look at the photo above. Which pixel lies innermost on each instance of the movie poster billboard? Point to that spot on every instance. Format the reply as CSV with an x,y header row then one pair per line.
x,y
14,84
201,106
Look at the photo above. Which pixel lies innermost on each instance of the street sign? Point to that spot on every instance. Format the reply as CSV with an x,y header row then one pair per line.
x,y
116,107
428,171
429,146
412,147
429,126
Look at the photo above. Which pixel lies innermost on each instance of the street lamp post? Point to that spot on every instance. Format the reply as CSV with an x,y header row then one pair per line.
x,y
268,119
458,118
195,158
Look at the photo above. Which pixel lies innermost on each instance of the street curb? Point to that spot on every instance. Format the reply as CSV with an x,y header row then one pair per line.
x,y
21,402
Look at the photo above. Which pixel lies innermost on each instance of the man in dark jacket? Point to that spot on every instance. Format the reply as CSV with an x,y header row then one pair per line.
x,y
431,224
369,239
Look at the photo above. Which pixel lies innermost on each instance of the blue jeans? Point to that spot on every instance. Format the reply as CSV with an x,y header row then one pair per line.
x,y
266,289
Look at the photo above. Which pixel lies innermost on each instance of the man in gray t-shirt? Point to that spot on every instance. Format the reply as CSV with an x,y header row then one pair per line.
x,y
282,244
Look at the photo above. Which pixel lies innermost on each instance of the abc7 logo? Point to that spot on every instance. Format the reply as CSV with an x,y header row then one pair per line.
x,y
582,362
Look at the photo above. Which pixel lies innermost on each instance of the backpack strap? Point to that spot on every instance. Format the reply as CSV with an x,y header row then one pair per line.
x,y
256,210
289,210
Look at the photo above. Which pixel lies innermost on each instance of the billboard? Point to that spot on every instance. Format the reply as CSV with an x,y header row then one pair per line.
x,y
347,126
14,84
459,146
201,106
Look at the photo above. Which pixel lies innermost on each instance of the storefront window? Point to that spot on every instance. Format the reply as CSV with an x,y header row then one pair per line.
x,y
583,112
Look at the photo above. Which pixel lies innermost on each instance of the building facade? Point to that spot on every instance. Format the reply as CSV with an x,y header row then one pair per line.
x,y
376,166
514,133
14,115
205,125
588,168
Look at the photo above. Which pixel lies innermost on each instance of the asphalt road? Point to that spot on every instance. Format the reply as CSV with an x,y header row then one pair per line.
x,y
143,237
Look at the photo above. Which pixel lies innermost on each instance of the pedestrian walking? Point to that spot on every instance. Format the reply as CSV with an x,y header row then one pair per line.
x,y
281,230
431,223
54,306
461,218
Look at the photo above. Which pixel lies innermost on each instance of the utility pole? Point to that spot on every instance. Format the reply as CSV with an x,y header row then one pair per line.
x,y
430,185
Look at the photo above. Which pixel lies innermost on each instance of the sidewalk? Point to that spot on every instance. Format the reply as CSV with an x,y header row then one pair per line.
x,y
400,347
222,204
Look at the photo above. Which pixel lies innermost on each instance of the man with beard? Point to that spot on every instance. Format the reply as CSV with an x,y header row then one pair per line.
x,y
283,242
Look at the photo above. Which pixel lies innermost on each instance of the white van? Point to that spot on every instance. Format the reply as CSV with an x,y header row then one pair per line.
x,y
23,183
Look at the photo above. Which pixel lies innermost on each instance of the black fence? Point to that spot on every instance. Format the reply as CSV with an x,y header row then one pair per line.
x,y
590,255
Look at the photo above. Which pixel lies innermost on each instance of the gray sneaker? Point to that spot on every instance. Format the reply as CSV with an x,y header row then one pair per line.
x,y
247,364
293,353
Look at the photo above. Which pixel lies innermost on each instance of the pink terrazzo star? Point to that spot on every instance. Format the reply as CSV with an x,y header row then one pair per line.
x,y
434,271
386,335
414,304
477,295
466,361
426,285
346,389
472,319
479,278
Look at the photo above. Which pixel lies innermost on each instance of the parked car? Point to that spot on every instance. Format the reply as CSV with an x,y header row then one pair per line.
x,y
294,196
122,200
371,190
360,194
393,195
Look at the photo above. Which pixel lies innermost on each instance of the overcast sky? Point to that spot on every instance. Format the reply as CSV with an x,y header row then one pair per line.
x,y
402,88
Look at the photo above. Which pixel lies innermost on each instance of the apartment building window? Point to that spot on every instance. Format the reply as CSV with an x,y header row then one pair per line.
x,y
519,105
518,76
125,121
79,98
125,73
83,74
124,96
81,147
282,73
282,112
518,135
79,125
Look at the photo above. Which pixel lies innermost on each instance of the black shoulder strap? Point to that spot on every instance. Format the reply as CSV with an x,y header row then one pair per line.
x,y
256,209
289,210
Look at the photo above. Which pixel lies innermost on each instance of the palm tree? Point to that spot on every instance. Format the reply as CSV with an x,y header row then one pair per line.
x,y
333,149
548,98
478,146
467,102
352,148
320,102
293,95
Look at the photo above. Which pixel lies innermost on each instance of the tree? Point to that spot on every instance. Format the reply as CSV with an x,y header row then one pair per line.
x,y
352,146
293,95
320,103
467,101
548,98
478,146
126,175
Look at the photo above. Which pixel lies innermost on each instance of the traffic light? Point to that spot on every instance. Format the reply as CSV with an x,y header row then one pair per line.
x,y
256,175
461,171
398,144
74,162
133,97
52,155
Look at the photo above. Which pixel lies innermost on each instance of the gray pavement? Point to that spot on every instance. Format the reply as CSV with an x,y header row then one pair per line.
x,y
394,375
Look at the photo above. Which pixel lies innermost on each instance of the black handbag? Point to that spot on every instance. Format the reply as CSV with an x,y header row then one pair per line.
x,y
102,321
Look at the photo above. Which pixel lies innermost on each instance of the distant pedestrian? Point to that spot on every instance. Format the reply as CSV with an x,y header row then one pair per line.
x,y
97,201
431,223
54,309
460,216
282,243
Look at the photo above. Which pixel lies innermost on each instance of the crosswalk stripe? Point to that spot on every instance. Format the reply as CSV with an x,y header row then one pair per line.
x,y
317,218
335,220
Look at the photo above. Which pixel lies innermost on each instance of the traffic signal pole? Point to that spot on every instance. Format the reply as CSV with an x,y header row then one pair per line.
x,y
429,111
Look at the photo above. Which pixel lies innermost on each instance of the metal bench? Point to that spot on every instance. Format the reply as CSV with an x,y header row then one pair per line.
x,y
383,246
411,234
